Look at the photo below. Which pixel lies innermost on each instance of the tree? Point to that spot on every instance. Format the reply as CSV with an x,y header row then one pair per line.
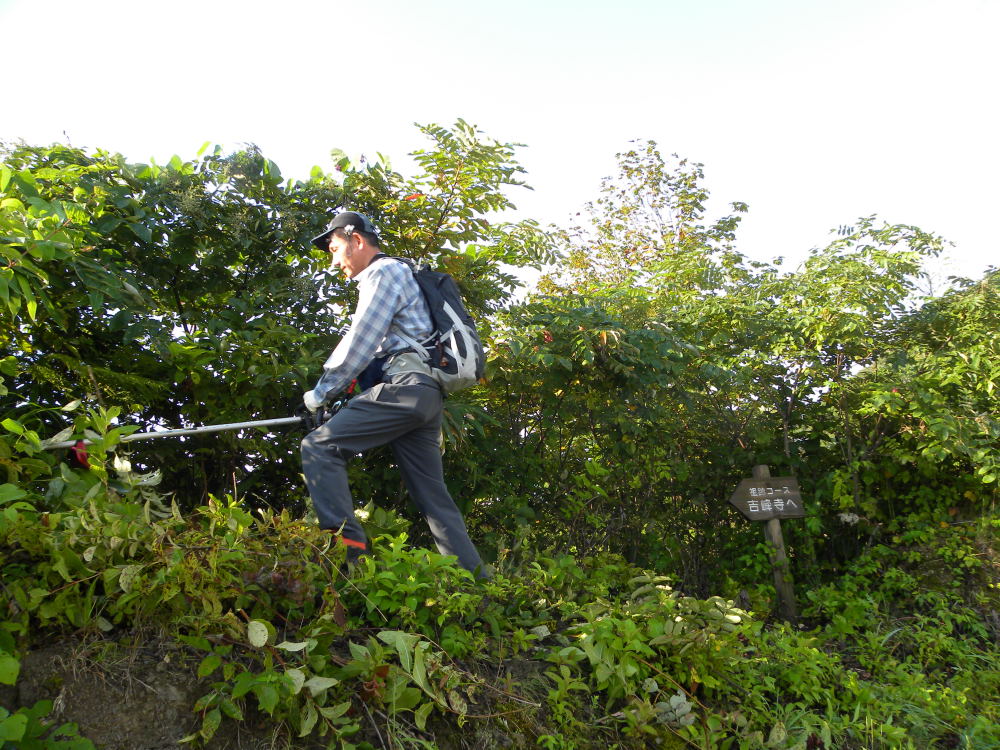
x,y
189,293
660,365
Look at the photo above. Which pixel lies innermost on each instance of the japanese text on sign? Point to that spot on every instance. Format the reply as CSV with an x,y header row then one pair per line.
x,y
769,491
766,505
770,497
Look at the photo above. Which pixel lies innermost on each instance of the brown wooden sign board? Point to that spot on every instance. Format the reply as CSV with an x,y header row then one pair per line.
x,y
764,499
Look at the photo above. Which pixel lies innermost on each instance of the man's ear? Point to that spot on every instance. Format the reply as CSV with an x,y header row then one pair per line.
x,y
352,245
363,244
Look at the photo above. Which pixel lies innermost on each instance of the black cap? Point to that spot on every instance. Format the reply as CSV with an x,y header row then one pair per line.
x,y
348,220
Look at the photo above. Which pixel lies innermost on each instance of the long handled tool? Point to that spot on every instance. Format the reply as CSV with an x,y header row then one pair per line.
x,y
186,431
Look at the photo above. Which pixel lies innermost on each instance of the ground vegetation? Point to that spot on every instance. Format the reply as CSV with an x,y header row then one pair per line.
x,y
650,369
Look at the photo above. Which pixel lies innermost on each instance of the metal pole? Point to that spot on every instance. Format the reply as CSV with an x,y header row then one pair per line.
x,y
188,431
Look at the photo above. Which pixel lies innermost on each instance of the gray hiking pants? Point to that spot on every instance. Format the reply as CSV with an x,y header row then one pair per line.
x,y
406,413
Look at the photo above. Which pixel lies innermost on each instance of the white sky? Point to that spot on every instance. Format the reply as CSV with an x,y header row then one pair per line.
x,y
814,113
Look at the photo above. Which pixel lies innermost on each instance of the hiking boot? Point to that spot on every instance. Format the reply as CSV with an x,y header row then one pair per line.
x,y
355,551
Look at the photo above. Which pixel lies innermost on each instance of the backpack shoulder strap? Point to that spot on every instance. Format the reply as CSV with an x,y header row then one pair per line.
x,y
417,346
408,262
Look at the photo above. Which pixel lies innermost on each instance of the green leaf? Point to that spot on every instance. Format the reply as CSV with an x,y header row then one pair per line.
x,y
210,724
9,669
12,728
267,697
60,566
297,678
128,575
406,698
230,709
457,702
421,714
205,702
292,646
64,434
28,294
142,232
778,735
335,712
404,644
340,159
13,426
318,684
259,632
195,641
419,672
209,664
10,492
309,720
243,684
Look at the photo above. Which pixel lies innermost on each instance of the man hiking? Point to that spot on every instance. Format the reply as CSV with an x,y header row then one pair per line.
x,y
401,404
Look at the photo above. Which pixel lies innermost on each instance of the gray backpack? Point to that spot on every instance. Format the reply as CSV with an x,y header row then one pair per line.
x,y
454,351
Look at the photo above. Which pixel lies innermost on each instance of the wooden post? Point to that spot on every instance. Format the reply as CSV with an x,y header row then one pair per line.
x,y
779,560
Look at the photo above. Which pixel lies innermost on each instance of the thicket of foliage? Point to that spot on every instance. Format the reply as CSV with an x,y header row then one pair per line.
x,y
660,365
625,399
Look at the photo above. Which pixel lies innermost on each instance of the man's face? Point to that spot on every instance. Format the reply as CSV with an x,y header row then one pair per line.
x,y
344,249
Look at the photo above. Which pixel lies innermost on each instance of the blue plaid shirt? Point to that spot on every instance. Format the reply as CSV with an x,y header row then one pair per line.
x,y
388,299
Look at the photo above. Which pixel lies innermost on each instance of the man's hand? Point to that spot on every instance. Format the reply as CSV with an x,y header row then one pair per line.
x,y
312,413
315,412
312,419
311,401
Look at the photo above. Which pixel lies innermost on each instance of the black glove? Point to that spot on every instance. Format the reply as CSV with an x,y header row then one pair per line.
x,y
312,419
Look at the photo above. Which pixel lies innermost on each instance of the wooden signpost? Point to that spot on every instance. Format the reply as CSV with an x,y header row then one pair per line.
x,y
767,498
